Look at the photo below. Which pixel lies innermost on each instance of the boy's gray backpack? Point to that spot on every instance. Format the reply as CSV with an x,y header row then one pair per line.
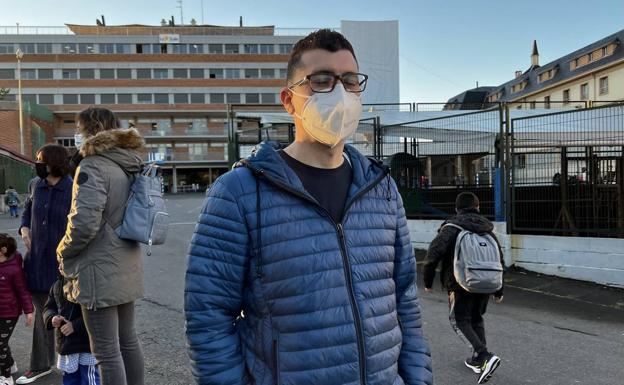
x,y
145,219
477,262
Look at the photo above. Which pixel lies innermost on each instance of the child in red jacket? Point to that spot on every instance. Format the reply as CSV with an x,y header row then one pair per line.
x,y
14,299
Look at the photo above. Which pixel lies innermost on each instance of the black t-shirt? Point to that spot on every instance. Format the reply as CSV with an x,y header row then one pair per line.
x,y
328,186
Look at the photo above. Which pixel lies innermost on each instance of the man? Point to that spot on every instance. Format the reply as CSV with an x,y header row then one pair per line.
x,y
11,199
301,269
466,308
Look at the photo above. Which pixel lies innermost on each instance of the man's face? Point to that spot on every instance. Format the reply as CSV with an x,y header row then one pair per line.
x,y
314,61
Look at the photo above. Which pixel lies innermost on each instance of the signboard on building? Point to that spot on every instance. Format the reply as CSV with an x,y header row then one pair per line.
x,y
169,38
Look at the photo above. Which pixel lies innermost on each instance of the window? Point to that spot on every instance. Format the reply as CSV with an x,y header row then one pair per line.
x,y
267,49
197,73
198,98
143,48
252,74
87,74
605,51
159,48
161,98
70,99
251,48
285,49
107,73
107,99
215,48
546,101
29,74
532,105
268,98
46,99
144,98
31,98
27,47
87,99
69,48
216,98
161,73
7,48
144,73
180,98
180,73
179,48
267,73
44,48
232,98
604,85
584,91
7,73
123,48
566,96
232,73
196,48
124,98
107,48
86,48
124,73
231,48
520,160
70,74
215,73
252,98
283,73
68,142
9,97
45,73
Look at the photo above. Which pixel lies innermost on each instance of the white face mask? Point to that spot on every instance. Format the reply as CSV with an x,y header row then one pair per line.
x,y
79,140
331,117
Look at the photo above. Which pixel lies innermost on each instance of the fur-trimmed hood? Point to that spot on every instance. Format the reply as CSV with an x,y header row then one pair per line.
x,y
105,141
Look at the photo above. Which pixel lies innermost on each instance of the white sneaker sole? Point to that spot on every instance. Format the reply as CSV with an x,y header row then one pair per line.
x,y
23,380
489,369
473,368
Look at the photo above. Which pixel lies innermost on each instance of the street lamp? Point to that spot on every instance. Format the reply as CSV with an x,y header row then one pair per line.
x,y
19,55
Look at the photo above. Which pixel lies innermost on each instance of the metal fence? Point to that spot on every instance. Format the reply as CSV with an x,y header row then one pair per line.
x,y
567,173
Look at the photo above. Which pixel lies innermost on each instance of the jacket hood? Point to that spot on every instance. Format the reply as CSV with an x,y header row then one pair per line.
x,y
118,145
472,221
265,158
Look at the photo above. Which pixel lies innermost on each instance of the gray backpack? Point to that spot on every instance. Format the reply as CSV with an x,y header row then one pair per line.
x,y
145,219
477,262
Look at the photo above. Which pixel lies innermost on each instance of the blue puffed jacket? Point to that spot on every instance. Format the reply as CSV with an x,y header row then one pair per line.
x,y
278,293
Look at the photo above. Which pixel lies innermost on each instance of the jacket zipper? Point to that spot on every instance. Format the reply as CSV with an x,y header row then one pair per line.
x,y
343,252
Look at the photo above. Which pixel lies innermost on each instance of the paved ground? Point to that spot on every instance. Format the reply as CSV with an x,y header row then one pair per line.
x,y
547,331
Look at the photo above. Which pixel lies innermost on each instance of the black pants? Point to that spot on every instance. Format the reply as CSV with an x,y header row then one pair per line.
x,y
7,325
466,315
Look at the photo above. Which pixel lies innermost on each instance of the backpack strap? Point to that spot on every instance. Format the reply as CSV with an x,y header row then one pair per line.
x,y
453,225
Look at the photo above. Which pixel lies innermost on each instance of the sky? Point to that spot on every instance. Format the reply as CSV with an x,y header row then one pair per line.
x,y
445,46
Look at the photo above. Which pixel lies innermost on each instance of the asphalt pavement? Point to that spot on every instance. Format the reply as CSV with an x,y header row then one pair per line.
x,y
548,330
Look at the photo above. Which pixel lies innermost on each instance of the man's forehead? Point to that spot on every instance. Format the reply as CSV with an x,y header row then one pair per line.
x,y
322,60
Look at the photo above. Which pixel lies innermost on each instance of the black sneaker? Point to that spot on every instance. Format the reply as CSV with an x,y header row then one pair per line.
x,y
474,364
488,368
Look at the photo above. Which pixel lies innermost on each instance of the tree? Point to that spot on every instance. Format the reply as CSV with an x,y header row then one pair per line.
x,y
4,92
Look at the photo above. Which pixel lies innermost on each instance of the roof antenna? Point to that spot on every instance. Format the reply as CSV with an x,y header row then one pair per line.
x,y
181,12
240,21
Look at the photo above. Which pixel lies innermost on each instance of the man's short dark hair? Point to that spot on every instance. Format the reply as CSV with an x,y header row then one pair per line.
x,y
9,242
57,159
466,201
326,39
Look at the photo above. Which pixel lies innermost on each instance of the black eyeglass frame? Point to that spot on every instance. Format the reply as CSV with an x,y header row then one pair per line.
x,y
335,81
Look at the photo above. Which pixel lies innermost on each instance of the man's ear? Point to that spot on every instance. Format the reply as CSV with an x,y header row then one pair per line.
x,y
286,99
4,251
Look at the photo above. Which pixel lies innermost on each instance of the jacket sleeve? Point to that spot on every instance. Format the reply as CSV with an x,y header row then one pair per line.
x,y
28,206
500,291
217,265
50,309
438,248
21,289
89,197
415,357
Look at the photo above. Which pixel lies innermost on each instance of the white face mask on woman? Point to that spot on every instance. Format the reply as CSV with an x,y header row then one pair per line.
x,y
331,117
79,140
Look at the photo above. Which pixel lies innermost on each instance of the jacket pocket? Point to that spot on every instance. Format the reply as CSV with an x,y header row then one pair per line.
x,y
276,361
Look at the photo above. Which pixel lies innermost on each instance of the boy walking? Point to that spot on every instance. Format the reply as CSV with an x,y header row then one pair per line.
x,y
466,308
11,199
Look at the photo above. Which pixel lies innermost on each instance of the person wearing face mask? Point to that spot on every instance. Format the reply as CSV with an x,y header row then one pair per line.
x,y
300,270
43,225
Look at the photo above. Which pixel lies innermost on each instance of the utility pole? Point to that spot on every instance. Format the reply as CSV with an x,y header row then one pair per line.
x,y
19,55
202,11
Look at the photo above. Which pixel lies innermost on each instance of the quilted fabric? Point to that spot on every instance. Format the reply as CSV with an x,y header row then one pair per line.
x,y
305,300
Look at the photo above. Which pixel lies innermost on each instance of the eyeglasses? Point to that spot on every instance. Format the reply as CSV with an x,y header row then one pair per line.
x,y
326,82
